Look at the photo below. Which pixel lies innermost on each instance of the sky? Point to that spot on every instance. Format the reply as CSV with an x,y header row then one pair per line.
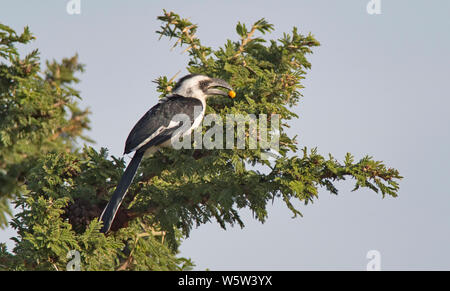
x,y
378,86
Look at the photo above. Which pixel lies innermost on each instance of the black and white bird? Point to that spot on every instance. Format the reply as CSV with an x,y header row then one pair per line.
x,y
159,127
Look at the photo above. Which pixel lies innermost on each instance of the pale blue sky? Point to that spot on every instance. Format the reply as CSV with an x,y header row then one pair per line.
x,y
378,86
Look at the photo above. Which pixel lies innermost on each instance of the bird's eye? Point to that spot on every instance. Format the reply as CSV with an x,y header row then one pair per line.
x,y
204,84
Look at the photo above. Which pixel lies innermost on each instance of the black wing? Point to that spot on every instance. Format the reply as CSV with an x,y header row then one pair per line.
x,y
156,122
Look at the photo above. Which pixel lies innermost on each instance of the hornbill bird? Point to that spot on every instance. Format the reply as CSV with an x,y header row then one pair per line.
x,y
159,127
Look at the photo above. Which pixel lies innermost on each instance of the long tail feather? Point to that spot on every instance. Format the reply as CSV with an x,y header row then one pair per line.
x,y
113,205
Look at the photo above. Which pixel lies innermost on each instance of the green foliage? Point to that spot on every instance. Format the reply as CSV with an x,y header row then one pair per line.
x,y
37,114
60,190
58,214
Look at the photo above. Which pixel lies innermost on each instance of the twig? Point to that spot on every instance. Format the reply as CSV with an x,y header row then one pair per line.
x,y
245,41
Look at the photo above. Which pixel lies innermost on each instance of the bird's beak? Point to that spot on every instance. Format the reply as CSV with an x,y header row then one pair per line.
x,y
212,89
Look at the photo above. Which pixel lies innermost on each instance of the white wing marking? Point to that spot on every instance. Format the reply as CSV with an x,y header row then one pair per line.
x,y
156,133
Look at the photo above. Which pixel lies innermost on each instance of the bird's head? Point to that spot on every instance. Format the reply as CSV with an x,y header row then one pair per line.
x,y
200,86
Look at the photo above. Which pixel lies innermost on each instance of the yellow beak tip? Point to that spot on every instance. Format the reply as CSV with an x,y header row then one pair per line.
x,y
231,93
